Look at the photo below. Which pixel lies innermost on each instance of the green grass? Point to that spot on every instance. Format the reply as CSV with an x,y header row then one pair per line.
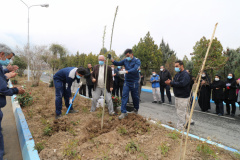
x,y
39,146
205,151
122,130
237,155
174,135
70,150
47,131
132,147
164,148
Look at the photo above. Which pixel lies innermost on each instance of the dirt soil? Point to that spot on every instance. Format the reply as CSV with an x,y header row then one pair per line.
x,y
79,135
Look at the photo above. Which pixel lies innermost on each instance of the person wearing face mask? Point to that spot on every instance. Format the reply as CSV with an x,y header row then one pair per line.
x,y
155,79
181,90
82,90
5,52
63,81
131,82
205,92
98,79
217,87
165,75
230,94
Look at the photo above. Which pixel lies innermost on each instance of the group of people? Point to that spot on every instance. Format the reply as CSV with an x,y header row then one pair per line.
x,y
125,78
6,55
222,91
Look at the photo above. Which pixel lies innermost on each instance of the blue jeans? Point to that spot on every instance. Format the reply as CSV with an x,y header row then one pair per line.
x,y
1,137
60,91
127,87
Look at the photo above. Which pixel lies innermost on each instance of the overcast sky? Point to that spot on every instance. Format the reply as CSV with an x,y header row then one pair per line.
x,y
78,24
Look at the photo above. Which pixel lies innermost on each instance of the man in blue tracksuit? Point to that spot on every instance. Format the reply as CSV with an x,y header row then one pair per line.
x,y
63,80
131,82
5,56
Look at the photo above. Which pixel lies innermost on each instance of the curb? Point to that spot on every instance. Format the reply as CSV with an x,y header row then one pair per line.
x,y
201,139
25,137
211,101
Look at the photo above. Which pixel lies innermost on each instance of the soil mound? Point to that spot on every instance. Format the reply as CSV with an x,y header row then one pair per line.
x,y
61,124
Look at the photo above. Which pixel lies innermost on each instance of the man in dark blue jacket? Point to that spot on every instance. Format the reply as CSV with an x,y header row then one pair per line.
x,y
5,53
181,89
63,80
131,82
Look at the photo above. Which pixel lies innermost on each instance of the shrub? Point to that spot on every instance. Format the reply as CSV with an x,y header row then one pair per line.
x,y
47,130
25,99
122,130
14,81
205,150
164,148
132,147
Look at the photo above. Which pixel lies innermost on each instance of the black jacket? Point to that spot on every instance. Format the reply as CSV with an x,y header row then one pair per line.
x,y
230,89
181,84
164,75
217,94
88,77
142,79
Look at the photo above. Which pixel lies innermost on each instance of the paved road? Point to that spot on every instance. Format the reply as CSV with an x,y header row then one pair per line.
x,y
225,129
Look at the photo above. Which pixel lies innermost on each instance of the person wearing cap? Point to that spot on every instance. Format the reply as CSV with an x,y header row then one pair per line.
x,y
63,80
131,82
5,55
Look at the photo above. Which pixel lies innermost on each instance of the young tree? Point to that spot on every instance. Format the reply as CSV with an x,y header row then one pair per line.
x,y
233,58
215,60
170,64
91,58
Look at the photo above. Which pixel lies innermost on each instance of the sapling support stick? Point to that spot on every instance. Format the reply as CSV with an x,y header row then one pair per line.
x,y
106,68
195,94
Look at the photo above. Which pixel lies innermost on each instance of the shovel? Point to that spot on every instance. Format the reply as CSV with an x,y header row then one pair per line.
x,y
74,98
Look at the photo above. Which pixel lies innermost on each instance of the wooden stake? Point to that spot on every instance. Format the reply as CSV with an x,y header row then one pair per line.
x,y
195,94
106,69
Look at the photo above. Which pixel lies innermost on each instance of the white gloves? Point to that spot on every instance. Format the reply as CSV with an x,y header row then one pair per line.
x,y
122,72
70,101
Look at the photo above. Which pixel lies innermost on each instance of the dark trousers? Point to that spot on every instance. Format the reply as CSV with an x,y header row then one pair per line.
x,y
1,137
228,102
219,107
162,87
127,87
90,88
121,90
82,90
116,88
60,91
139,91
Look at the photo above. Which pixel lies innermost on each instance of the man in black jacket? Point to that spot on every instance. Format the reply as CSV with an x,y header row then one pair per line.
x,y
89,80
181,89
165,75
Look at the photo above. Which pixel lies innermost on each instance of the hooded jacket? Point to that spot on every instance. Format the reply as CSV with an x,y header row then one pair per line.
x,y
230,89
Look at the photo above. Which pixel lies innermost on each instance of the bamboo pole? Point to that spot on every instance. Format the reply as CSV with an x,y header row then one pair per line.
x,y
107,66
195,94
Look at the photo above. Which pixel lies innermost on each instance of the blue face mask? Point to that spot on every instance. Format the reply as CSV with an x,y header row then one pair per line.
x,y
5,62
229,77
129,58
177,69
101,62
139,70
78,77
119,67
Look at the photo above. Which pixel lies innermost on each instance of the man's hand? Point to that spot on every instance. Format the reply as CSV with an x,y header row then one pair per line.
x,y
238,81
12,68
217,88
20,90
112,60
93,80
111,89
114,75
122,72
167,82
203,82
10,75
70,101
91,72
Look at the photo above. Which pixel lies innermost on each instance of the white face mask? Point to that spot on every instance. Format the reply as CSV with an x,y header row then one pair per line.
x,y
123,69
161,69
216,79
154,74
112,68
203,75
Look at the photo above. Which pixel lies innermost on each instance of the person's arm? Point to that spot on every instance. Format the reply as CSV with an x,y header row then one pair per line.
x,y
93,74
69,82
4,90
158,79
184,81
135,67
151,79
169,76
120,63
5,70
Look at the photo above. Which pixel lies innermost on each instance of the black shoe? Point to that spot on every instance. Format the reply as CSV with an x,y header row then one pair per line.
x,y
232,115
227,114
58,116
220,114
170,102
160,102
154,102
73,111
135,111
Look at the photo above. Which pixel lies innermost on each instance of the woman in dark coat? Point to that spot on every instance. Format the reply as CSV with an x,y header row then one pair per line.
x,y
230,94
217,94
205,92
